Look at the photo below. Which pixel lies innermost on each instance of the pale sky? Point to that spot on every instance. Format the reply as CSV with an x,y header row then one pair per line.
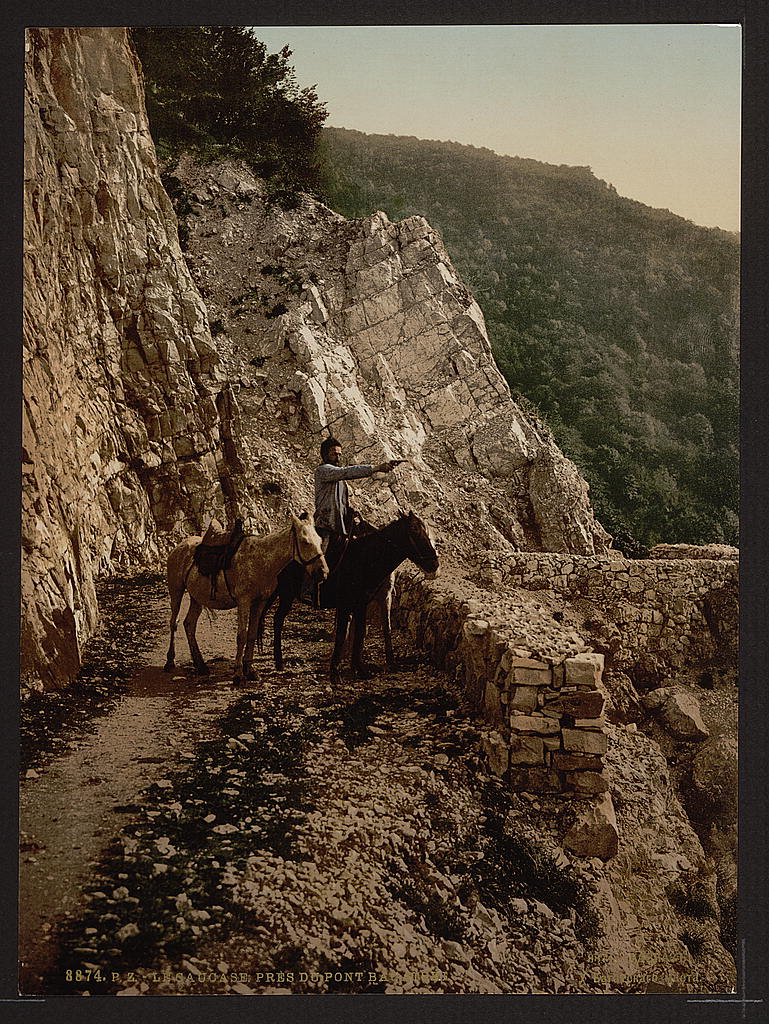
x,y
653,109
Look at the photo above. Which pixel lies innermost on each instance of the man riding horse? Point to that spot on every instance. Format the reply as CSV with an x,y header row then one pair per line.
x,y
361,561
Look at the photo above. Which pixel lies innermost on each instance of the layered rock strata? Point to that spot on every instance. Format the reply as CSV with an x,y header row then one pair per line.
x,y
128,423
364,329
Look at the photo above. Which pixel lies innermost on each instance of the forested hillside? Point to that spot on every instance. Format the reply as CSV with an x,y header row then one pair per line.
x,y
618,321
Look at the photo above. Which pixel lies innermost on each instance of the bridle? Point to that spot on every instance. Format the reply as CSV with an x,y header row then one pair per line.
x,y
411,542
296,551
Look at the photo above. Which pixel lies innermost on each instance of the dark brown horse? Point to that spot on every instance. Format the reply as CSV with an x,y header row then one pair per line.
x,y
362,575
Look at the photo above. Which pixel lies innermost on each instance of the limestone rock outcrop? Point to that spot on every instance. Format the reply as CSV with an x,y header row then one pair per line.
x,y
364,329
682,716
128,423
141,421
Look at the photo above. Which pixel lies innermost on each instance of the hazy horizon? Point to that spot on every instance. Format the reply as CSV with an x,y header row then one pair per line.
x,y
653,110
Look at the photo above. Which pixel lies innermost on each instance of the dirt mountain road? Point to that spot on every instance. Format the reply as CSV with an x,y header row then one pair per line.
x,y
287,837
71,807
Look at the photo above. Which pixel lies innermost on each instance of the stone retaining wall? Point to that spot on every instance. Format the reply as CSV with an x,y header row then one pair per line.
x,y
544,707
682,611
540,686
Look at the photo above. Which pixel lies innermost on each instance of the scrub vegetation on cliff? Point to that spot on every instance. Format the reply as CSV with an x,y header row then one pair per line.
x,y
214,91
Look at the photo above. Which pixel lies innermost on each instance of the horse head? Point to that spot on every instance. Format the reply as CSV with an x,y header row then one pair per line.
x,y
421,544
307,546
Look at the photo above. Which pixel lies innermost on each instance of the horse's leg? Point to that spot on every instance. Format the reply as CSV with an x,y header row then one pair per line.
x,y
244,618
342,619
176,600
284,607
256,614
263,618
358,636
190,625
385,608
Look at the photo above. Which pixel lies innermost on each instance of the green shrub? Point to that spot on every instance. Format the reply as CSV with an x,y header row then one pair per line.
x,y
694,902
695,941
443,919
516,867
214,91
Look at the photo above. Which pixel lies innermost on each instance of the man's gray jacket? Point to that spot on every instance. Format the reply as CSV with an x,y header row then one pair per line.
x,y
331,502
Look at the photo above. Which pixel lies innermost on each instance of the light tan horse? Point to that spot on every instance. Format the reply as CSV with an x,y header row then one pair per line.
x,y
247,584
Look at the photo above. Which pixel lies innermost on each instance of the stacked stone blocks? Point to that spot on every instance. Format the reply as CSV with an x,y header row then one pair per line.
x,y
549,734
660,605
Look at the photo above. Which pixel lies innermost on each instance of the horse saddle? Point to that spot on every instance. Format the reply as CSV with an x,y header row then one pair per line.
x,y
215,552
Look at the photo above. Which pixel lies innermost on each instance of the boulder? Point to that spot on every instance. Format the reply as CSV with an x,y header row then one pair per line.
x,y
594,834
682,717
713,781
654,699
496,752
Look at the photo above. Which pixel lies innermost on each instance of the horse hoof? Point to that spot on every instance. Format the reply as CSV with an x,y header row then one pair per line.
x,y
365,671
202,670
169,666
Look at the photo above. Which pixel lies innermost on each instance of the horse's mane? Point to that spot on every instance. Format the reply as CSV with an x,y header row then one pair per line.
x,y
379,533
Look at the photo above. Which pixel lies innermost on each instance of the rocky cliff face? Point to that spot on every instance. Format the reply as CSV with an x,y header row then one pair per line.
x,y
130,430
127,417
363,329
